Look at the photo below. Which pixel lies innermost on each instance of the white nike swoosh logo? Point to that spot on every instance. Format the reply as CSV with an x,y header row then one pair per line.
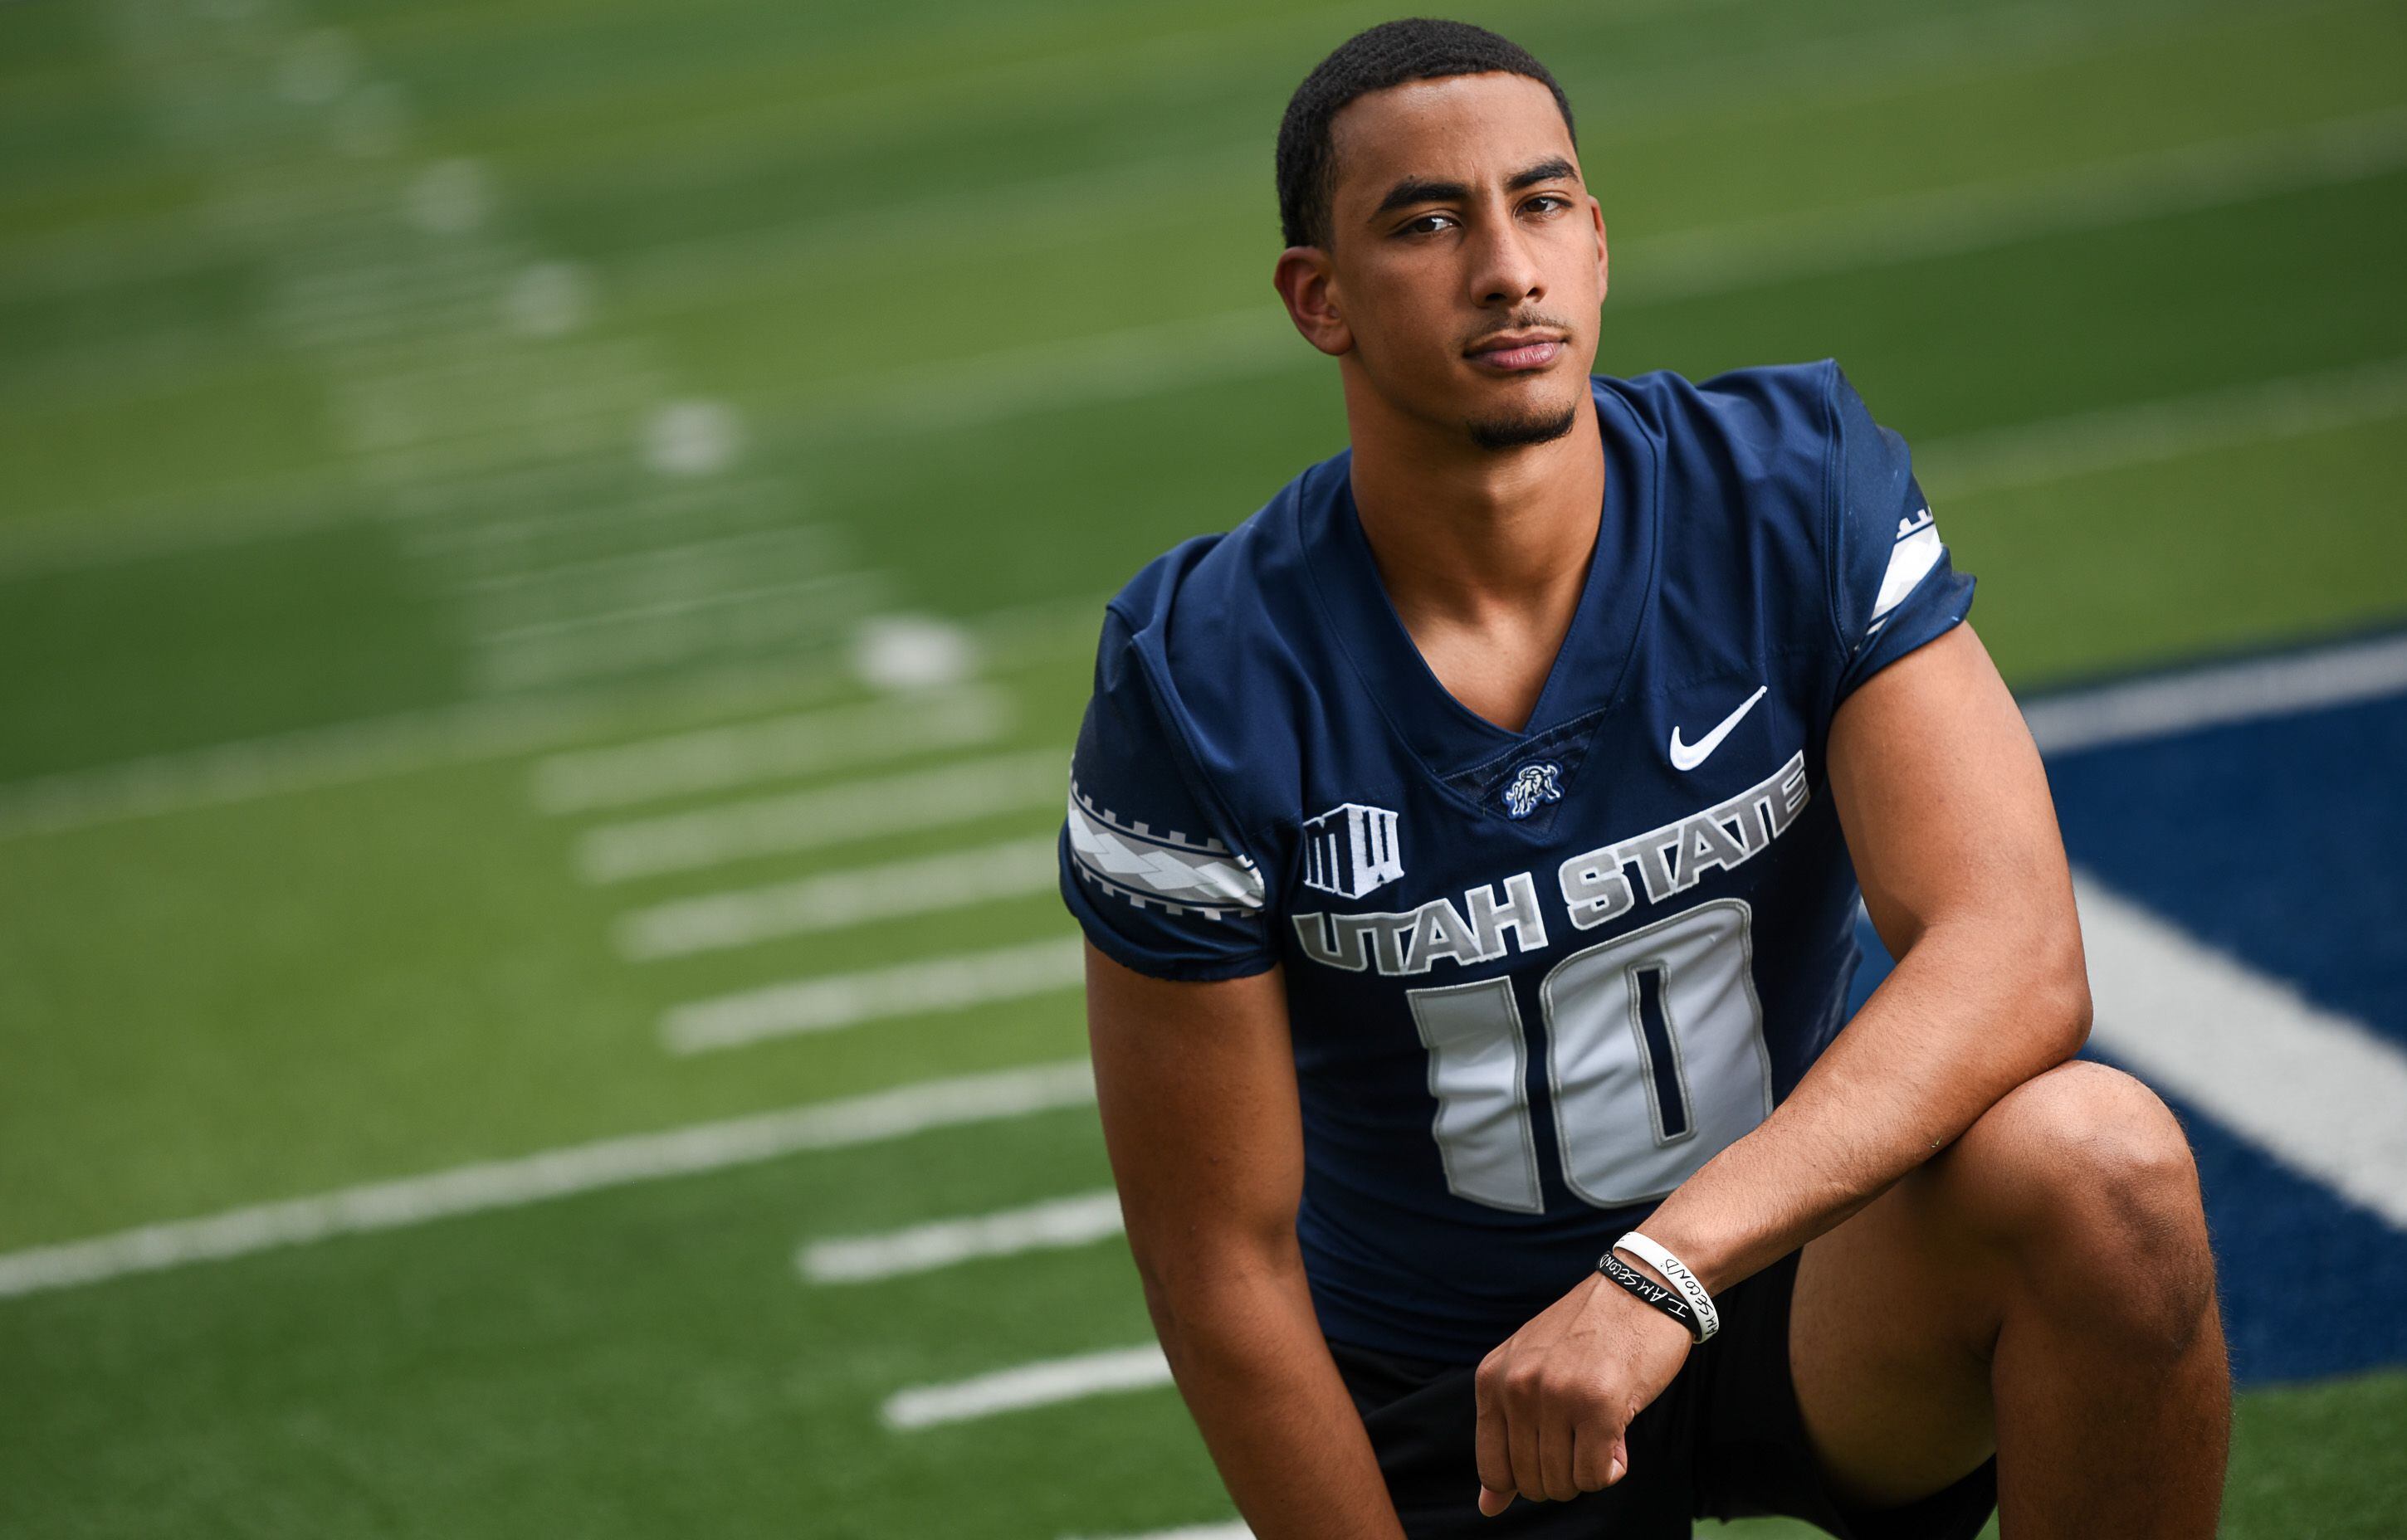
x,y
1687,756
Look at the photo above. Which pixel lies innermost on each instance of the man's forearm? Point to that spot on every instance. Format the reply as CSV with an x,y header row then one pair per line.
x,y
1257,1376
1964,1018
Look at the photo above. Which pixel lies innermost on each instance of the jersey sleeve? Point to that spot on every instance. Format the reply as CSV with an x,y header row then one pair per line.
x,y
1150,866
1894,587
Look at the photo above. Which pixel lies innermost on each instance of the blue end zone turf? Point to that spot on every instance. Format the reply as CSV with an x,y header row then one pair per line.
x,y
2281,843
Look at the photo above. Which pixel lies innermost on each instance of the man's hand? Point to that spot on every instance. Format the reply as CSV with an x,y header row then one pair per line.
x,y
1556,1398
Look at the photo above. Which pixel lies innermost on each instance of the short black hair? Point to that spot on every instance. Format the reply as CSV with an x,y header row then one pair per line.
x,y
1385,55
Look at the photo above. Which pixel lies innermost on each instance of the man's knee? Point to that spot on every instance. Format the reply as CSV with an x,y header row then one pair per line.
x,y
2083,1176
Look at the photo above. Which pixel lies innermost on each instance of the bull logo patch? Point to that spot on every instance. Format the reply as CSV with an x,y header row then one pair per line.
x,y
1532,788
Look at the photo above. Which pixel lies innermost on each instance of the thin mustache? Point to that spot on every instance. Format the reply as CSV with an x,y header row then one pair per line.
x,y
1530,322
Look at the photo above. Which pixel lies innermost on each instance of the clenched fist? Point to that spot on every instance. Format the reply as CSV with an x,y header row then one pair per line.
x,y
1555,1397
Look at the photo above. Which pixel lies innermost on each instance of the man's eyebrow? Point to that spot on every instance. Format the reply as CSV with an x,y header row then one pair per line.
x,y
1419,189
1553,170
1423,190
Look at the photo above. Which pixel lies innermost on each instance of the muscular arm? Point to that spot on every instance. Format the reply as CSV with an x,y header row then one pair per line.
x,y
1196,1083
1947,817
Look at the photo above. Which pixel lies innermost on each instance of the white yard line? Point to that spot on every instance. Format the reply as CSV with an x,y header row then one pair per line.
x,y
1100,367
742,753
834,1001
1057,1225
205,516
1236,1531
483,524
552,1174
833,900
409,743
1043,1384
2214,696
785,615
684,607
2315,1090
823,815
313,760
2150,432
739,551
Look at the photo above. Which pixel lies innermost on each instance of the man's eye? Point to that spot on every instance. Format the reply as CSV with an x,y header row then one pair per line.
x,y
1427,224
1548,203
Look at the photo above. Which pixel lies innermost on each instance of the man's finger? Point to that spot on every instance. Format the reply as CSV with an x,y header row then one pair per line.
x,y
1492,1502
1555,1453
1599,1458
1521,1442
1493,1449
1592,1455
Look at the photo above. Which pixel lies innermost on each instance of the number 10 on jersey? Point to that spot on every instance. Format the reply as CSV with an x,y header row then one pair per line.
x,y
1654,1063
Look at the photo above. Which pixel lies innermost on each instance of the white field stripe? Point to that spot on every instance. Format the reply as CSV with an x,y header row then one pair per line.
x,y
1056,1225
459,510
2212,697
737,553
1109,366
650,584
2312,1088
666,609
1233,1531
1043,1384
486,526
717,758
309,760
952,982
1717,258
552,1174
408,742
823,815
2149,432
833,900
817,609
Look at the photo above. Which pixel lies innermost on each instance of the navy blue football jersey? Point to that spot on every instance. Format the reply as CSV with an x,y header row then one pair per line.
x,y
1537,977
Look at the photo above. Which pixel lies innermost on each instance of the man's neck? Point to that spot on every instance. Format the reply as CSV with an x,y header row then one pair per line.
x,y
1484,553
1459,528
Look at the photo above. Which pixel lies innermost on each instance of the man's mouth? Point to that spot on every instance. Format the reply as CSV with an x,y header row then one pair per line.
x,y
1516,352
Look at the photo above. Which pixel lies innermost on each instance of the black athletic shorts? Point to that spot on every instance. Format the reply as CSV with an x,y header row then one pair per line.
x,y
1723,1441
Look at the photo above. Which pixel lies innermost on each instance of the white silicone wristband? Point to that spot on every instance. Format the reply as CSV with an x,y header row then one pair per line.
x,y
1677,1273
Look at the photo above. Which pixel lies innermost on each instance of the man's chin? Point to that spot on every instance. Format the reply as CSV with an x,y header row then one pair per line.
x,y
1521,428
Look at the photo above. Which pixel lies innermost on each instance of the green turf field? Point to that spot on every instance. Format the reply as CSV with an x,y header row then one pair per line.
x,y
469,469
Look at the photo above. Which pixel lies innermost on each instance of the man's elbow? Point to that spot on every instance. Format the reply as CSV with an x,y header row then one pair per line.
x,y
1208,1296
2057,995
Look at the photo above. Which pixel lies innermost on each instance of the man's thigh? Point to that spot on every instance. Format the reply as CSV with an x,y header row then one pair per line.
x,y
1889,1333
1894,1325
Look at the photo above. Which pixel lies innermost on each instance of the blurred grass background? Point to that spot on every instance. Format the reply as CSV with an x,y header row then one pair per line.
x,y
401,401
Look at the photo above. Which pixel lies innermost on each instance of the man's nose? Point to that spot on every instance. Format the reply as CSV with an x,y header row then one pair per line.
x,y
1506,270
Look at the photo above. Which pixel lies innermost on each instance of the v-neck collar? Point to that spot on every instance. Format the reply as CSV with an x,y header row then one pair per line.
x,y
1591,664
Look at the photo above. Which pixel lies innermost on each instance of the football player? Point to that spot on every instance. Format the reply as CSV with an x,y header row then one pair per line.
x,y
1470,846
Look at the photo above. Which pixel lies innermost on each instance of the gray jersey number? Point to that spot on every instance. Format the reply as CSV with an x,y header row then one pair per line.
x,y
1654,1063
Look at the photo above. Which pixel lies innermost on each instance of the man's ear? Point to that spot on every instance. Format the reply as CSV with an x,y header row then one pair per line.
x,y
1603,262
1306,283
